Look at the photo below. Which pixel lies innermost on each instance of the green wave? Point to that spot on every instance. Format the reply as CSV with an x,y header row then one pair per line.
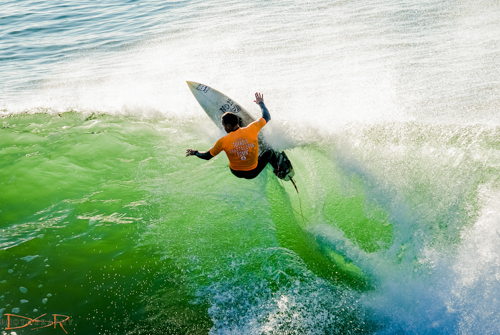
x,y
104,219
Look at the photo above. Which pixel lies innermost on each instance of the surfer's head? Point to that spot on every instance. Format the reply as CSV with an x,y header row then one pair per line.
x,y
230,122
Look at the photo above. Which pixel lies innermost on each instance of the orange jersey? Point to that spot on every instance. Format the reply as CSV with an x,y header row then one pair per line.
x,y
241,146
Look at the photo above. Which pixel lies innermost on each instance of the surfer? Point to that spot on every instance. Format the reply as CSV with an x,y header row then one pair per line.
x,y
242,147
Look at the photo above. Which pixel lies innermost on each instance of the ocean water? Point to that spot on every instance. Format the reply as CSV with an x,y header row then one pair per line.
x,y
389,111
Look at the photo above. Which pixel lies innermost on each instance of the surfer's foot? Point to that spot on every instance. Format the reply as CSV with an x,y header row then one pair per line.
x,y
284,169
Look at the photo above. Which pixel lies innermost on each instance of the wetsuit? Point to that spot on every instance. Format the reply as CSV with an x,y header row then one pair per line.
x,y
242,149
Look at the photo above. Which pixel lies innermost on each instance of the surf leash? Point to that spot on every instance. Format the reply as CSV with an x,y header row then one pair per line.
x,y
296,189
300,201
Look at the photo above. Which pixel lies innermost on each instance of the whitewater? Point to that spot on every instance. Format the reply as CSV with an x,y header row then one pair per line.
x,y
388,110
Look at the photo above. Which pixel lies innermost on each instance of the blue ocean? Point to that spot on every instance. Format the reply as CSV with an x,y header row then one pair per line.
x,y
388,111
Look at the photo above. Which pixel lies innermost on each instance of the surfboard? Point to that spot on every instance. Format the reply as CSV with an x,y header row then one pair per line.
x,y
215,104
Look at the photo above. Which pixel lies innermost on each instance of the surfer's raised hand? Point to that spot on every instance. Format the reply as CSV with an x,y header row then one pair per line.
x,y
259,97
191,152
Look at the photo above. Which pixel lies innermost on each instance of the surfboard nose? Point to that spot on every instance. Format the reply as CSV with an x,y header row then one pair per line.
x,y
192,84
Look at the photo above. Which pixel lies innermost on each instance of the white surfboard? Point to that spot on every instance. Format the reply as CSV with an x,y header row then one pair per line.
x,y
215,104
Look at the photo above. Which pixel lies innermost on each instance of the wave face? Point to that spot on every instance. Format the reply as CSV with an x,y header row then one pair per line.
x,y
387,109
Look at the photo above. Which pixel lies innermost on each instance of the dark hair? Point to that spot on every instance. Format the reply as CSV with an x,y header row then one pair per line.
x,y
230,118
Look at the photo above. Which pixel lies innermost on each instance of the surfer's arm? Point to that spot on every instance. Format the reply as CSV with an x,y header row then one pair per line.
x,y
203,155
265,112
259,99
207,154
